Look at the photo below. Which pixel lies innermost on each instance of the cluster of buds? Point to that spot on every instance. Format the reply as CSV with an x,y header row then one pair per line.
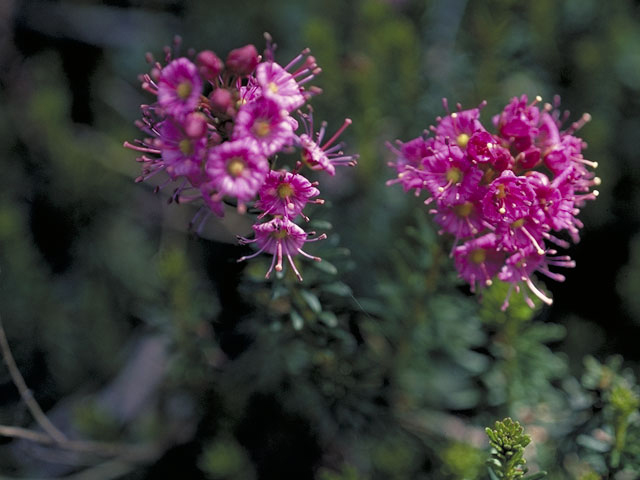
x,y
505,195
216,129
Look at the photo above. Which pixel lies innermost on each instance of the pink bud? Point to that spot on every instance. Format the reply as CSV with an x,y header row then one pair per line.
x,y
209,65
529,158
195,125
242,61
221,101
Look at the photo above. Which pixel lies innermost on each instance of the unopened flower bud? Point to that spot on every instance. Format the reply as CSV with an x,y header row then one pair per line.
x,y
242,61
221,101
195,125
529,158
209,65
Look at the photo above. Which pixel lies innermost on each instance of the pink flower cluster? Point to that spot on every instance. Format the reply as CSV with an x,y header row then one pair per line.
x,y
504,196
216,128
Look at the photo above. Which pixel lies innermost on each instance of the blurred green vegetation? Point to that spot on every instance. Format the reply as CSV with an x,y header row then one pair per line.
x,y
379,365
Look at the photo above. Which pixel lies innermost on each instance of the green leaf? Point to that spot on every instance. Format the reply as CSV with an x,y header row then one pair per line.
x,y
296,320
492,474
326,267
312,301
535,476
320,225
593,443
329,318
338,288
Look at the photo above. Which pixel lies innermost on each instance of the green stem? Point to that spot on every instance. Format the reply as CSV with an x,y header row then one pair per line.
x,y
620,438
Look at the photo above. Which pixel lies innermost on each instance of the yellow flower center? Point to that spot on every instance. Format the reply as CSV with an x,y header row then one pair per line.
x,y
184,90
462,140
454,175
273,87
464,209
285,190
518,223
488,176
261,128
235,166
185,146
478,256
279,234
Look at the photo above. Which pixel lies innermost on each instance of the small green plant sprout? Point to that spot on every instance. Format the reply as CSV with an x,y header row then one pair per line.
x,y
624,402
508,440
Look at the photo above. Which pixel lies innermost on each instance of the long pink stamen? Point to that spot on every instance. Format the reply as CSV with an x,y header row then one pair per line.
x,y
293,266
279,254
141,149
347,122
297,58
539,250
537,292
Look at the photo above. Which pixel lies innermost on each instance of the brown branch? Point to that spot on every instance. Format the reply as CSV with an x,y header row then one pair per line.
x,y
24,391
26,434
129,452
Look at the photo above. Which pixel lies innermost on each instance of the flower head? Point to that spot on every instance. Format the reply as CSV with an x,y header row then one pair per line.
x,y
479,260
286,194
266,123
504,194
459,126
508,199
183,154
324,156
237,169
450,175
279,85
222,147
281,238
179,87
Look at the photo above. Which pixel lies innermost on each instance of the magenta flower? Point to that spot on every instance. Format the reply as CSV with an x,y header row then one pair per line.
x,y
409,158
279,85
524,233
450,175
211,198
459,126
548,132
281,238
479,260
462,219
222,147
519,122
486,150
555,204
237,169
286,193
518,269
182,154
327,156
508,199
266,123
179,87
504,209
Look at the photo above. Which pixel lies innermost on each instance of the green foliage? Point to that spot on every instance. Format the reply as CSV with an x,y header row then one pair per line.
x,y
380,365
508,441
347,473
525,367
95,422
225,459
462,461
610,443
